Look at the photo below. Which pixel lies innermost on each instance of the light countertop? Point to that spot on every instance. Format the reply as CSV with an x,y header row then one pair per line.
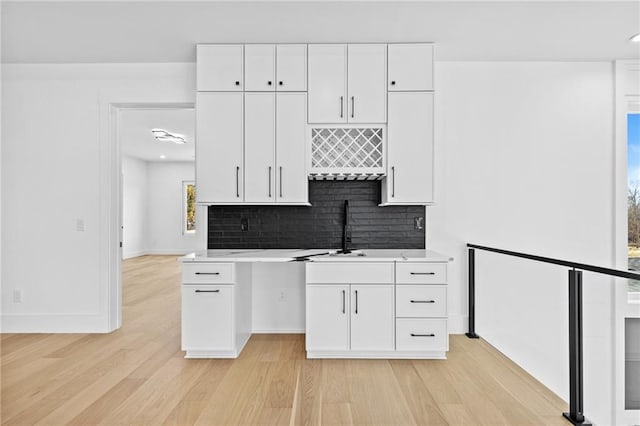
x,y
317,255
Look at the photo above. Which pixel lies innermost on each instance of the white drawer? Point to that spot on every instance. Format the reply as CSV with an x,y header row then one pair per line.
x,y
421,301
421,334
350,273
208,273
421,273
207,321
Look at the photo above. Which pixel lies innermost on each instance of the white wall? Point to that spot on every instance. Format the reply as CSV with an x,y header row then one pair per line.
x,y
55,125
165,208
135,195
525,163
524,154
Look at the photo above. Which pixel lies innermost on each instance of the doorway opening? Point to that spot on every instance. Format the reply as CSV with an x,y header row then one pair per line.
x,y
154,175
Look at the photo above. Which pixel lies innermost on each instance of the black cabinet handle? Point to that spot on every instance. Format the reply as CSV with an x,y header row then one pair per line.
x,y
280,83
269,83
422,301
207,291
353,106
341,106
393,181
237,83
356,302
238,181
280,181
393,83
423,273
344,301
207,273
422,335
269,181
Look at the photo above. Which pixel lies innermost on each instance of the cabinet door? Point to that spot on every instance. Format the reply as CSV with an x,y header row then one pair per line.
x,y
219,67
367,76
291,131
409,148
410,67
327,318
207,322
372,317
259,67
219,133
259,147
327,83
291,68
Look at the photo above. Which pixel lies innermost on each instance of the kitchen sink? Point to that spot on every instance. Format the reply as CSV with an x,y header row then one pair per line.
x,y
350,253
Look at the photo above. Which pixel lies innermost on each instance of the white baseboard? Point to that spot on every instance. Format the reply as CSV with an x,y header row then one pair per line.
x,y
279,331
168,252
134,254
53,323
160,252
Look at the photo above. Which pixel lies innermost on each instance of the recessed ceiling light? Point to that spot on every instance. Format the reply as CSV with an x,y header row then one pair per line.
x,y
162,156
635,38
164,136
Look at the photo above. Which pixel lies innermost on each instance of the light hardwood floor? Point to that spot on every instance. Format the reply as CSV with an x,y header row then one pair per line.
x,y
137,375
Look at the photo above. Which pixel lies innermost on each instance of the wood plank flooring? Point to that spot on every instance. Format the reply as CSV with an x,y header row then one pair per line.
x,y
137,375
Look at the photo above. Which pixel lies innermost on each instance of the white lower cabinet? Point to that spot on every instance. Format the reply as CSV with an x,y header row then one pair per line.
x,y
216,309
372,317
400,313
327,317
349,318
207,317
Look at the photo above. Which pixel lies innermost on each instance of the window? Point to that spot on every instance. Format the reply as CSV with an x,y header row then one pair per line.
x,y
633,206
189,207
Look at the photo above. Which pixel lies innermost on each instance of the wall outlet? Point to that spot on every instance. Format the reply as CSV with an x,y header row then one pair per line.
x,y
244,224
283,296
418,222
17,296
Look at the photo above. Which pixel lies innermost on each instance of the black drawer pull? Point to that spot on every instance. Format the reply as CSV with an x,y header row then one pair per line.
x,y
207,291
207,273
423,273
422,301
422,335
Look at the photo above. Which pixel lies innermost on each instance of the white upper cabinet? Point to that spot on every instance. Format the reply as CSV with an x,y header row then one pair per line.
x,y
409,177
327,83
259,147
270,67
367,74
260,67
219,67
291,129
291,68
410,67
219,157
347,83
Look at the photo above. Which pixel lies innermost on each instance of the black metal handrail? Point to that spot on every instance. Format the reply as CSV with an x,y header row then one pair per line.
x,y
576,412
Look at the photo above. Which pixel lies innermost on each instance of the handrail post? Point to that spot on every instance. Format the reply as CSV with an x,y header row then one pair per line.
x,y
472,295
575,414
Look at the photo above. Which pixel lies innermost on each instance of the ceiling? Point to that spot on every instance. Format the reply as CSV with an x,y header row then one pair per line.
x,y
167,31
137,141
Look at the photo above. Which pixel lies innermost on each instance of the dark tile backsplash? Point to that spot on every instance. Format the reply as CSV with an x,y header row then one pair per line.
x,y
320,226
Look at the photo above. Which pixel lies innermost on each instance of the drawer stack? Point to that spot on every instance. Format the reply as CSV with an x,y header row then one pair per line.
x,y
421,307
216,309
